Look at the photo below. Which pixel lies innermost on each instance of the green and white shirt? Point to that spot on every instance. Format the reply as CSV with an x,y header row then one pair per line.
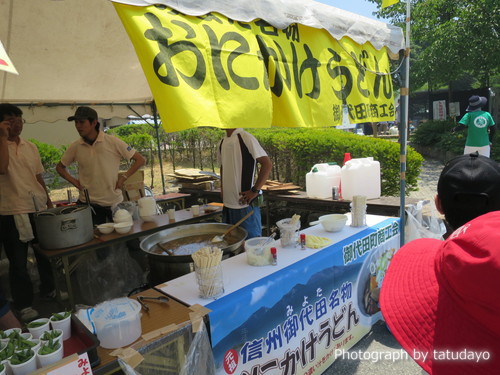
x,y
477,123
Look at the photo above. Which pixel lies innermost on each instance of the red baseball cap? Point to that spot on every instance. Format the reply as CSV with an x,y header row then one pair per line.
x,y
441,299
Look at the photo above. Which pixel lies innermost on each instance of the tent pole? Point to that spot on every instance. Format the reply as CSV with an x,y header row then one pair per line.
x,y
155,118
403,127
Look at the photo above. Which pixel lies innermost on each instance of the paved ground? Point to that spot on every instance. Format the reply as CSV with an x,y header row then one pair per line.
x,y
380,341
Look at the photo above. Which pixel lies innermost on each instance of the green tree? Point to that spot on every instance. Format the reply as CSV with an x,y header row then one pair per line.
x,y
140,138
450,39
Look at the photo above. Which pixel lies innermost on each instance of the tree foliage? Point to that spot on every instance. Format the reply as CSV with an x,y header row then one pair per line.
x,y
450,39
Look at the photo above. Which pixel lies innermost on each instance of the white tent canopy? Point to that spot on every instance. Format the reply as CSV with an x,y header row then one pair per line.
x,y
72,52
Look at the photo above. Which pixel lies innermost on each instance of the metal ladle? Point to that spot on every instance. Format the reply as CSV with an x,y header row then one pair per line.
x,y
220,238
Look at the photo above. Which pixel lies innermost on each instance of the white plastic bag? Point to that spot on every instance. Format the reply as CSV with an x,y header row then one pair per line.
x,y
422,221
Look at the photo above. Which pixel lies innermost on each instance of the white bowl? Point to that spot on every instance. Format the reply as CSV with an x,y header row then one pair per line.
x,y
122,216
333,222
106,228
123,227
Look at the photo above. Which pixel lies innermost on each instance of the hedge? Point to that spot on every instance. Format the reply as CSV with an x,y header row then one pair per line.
x,y
295,151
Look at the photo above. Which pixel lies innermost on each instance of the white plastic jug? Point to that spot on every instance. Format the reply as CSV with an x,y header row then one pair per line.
x,y
361,177
147,206
321,179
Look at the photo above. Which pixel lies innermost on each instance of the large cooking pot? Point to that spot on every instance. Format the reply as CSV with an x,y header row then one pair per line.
x,y
164,267
62,227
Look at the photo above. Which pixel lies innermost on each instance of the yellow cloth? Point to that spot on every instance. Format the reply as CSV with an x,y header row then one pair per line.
x,y
388,3
211,71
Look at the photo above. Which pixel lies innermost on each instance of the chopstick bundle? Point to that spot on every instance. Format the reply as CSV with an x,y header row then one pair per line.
x,y
295,219
208,270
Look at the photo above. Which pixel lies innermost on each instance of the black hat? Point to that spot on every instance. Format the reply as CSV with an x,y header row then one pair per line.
x,y
84,113
476,102
471,180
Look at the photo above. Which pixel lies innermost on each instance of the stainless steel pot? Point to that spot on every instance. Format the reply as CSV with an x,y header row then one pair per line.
x,y
164,267
62,227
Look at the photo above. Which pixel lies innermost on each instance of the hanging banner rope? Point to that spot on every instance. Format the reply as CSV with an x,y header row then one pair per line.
x,y
213,71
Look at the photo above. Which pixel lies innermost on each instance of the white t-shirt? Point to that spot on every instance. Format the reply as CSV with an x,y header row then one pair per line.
x,y
238,160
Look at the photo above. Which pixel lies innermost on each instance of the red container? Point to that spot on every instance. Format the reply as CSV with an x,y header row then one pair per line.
x,y
81,341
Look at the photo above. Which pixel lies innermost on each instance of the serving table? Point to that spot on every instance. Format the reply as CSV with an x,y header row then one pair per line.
x,y
297,316
71,256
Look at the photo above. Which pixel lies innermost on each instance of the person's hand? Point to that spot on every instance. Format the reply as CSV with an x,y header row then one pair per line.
x,y
121,180
4,129
247,196
76,183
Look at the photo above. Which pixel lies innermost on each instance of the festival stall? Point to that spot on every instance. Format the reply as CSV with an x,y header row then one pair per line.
x,y
227,64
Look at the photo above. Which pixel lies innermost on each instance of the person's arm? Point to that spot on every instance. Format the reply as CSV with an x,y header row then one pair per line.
x,y
459,127
139,161
40,180
63,172
491,132
4,147
264,172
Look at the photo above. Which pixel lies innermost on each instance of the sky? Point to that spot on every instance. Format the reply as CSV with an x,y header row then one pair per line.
x,y
362,7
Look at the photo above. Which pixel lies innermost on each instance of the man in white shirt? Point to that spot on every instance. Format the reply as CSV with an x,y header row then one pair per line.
x,y
21,185
98,156
239,153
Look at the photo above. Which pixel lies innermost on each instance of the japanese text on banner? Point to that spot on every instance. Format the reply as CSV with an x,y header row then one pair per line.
x,y
213,71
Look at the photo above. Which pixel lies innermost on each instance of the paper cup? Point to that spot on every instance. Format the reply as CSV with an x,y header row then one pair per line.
x,y
59,338
196,209
36,332
171,214
24,368
6,368
47,359
64,325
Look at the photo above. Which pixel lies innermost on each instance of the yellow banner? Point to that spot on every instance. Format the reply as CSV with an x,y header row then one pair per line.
x,y
213,71
388,3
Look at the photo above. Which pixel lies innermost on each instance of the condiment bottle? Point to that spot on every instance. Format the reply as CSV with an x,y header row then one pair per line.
x,y
347,157
302,241
275,256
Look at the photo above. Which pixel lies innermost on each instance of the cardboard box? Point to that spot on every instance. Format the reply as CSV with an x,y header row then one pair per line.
x,y
133,188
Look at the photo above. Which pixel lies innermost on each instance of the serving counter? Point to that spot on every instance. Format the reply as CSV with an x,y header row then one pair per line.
x,y
301,313
71,256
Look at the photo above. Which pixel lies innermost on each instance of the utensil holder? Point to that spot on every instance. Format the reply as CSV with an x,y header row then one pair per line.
x,y
288,232
210,281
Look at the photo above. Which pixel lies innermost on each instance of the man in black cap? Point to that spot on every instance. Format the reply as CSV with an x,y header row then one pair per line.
x,y
468,187
480,125
98,156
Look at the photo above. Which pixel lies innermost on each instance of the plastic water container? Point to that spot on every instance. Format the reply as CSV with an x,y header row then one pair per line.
x,y
361,177
321,179
117,322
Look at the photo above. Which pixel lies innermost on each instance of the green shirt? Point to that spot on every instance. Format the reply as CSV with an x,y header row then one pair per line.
x,y
477,123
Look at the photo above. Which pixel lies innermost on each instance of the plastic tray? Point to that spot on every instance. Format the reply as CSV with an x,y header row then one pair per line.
x,y
81,341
